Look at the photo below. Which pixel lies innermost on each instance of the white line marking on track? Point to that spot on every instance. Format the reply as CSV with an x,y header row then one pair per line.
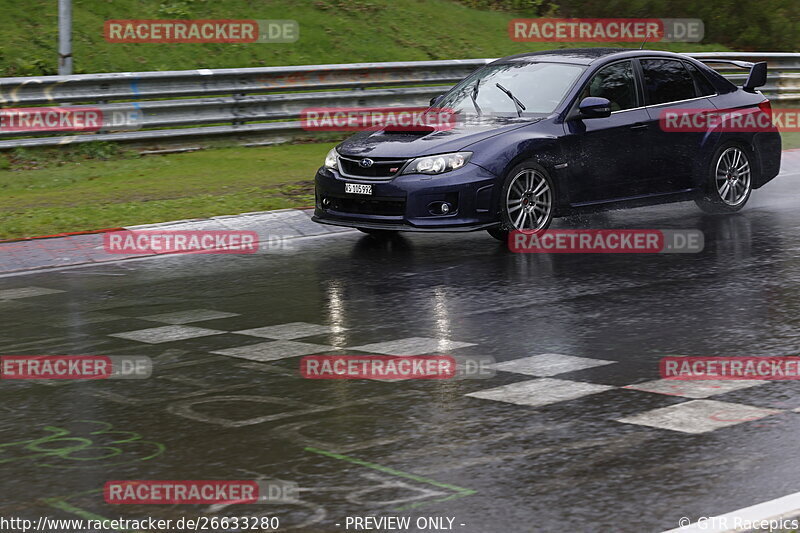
x,y
773,510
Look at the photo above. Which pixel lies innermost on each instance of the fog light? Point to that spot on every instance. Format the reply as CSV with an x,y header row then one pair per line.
x,y
441,208
325,202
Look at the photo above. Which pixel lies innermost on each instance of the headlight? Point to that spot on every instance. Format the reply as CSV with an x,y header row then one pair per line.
x,y
437,164
331,160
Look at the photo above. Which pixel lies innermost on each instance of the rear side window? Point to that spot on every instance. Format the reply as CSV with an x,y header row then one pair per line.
x,y
666,80
700,80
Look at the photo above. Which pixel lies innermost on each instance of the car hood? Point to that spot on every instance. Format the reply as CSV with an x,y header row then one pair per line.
x,y
407,144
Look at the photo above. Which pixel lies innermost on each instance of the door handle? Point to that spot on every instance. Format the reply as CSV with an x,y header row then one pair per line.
x,y
639,127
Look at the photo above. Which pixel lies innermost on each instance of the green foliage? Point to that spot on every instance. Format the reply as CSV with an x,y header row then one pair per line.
x,y
533,8
39,158
331,31
33,66
98,150
180,9
347,6
766,25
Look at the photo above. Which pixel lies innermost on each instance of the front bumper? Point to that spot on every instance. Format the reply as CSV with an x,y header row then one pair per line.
x,y
410,202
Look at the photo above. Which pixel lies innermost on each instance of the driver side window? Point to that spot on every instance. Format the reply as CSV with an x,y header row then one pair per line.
x,y
616,83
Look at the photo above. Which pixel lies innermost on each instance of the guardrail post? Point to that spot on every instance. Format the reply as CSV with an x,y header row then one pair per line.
x,y
64,37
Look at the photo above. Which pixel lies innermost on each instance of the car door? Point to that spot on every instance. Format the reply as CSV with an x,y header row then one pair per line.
x,y
608,153
669,85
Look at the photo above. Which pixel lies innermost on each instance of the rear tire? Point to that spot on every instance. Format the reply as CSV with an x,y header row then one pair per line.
x,y
729,181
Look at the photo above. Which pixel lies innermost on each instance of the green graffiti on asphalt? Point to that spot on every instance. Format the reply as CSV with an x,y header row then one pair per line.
x,y
97,448
459,492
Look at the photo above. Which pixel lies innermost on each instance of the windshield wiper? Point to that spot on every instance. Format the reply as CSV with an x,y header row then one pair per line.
x,y
520,107
474,95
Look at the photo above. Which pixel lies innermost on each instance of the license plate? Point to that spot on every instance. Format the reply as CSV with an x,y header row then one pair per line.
x,y
358,188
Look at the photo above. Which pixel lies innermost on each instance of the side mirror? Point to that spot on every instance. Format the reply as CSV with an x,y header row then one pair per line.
x,y
757,77
594,107
436,99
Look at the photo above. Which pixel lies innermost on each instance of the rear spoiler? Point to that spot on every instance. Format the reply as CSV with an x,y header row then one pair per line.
x,y
757,76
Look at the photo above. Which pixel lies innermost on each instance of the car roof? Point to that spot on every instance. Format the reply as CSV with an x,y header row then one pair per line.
x,y
583,56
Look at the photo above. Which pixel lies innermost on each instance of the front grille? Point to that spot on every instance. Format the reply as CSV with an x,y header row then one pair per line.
x,y
389,207
381,168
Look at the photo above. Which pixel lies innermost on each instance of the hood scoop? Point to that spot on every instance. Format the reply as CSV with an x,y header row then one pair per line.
x,y
419,131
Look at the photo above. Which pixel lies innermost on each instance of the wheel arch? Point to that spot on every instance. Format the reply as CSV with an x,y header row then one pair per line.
x,y
545,152
717,140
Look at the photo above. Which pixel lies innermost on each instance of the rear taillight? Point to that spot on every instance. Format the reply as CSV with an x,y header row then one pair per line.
x,y
766,107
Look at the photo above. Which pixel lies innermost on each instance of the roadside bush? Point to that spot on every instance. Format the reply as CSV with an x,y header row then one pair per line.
x,y
98,150
764,25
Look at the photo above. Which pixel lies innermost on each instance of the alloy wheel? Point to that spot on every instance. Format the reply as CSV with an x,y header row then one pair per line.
x,y
529,200
733,176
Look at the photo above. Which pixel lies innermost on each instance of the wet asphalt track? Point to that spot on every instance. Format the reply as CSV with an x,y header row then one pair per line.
x,y
422,448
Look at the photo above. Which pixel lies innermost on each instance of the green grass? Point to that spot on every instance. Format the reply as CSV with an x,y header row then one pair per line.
x,y
69,189
88,194
331,31
791,140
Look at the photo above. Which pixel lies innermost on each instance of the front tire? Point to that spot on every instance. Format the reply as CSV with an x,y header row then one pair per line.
x,y
527,200
729,182
498,233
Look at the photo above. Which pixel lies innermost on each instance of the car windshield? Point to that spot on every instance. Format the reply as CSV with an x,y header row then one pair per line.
x,y
525,89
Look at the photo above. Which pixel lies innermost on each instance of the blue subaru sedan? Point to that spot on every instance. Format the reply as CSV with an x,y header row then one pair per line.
x,y
553,133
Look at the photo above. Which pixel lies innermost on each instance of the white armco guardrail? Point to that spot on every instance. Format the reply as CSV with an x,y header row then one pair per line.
x,y
265,103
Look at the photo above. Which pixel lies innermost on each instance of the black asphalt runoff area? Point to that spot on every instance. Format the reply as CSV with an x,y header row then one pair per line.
x,y
569,435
